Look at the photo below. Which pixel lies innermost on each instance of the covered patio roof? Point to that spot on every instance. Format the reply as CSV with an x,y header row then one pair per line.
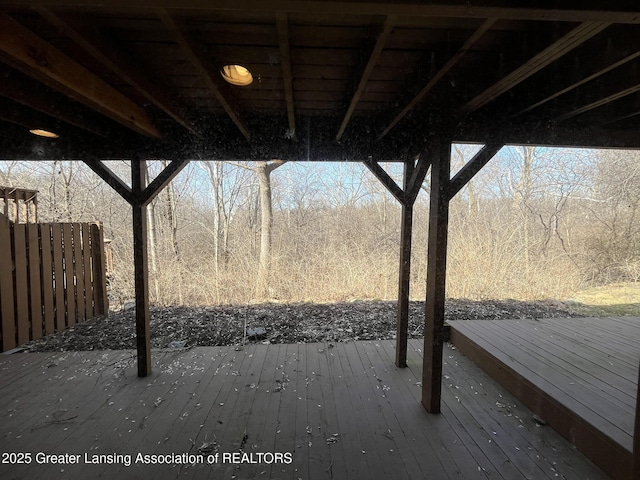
x,y
333,80
348,80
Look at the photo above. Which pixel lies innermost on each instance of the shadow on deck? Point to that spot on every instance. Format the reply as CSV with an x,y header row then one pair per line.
x,y
579,375
340,411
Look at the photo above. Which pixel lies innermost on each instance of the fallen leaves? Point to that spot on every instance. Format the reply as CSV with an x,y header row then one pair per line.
x,y
184,327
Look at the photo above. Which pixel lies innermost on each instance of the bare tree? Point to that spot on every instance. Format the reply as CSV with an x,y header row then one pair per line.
x,y
263,170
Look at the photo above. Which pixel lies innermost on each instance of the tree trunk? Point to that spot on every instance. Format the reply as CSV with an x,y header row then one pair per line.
x,y
526,192
153,251
172,217
263,170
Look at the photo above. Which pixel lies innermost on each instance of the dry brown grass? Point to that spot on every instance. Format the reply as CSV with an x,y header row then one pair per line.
x,y
609,300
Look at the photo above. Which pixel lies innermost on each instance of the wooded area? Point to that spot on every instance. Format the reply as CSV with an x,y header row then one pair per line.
x,y
536,223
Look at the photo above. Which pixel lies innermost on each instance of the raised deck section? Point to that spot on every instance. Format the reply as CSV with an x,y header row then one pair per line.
x,y
578,374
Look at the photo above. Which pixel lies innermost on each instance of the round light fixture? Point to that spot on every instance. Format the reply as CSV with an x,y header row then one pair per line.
x,y
236,75
43,133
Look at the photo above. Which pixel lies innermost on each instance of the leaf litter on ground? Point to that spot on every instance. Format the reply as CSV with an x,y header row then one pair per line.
x,y
184,327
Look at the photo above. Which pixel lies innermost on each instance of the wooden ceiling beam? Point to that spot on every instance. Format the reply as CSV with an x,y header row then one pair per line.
x,y
617,11
36,58
28,119
111,58
202,66
284,43
599,103
568,42
441,73
630,109
580,82
620,50
381,41
21,91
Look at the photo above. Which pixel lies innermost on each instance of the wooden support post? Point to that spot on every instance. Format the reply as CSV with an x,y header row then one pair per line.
x,y
406,229
141,267
138,196
99,272
636,435
436,276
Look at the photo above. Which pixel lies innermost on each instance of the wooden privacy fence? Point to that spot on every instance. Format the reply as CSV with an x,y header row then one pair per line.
x,y
52,276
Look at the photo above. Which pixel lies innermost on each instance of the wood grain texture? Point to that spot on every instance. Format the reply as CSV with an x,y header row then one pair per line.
x,y
342,410
579,375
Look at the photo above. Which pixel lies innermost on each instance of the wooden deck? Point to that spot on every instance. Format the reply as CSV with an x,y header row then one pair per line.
x,y
341,411
579,374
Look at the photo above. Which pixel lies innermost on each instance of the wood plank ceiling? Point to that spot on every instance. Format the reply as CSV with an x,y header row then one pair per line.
x,y
348,80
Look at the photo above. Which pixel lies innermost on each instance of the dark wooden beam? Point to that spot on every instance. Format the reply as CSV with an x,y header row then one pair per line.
x,y
586,68
202,65
404,273
568,42
566,134
630,108
619,11
24,90
441,73
282,24
419,173
162,180
434,331
29,119
38,59
141,268
116,62
471,168
113,180
599,103
391,185
381,41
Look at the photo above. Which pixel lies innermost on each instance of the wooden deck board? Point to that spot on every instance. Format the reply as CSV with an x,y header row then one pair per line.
x,y
380,420
578,374
15,366
517,444
605,335
351,435
273,393
580,364
267,414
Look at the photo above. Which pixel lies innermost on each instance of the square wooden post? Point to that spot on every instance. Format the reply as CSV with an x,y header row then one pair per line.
x,y
436,277
636,435
406,228
99,273
141,267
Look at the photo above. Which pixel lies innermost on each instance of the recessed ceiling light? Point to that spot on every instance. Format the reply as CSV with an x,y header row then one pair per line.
x,y
43,133
236,75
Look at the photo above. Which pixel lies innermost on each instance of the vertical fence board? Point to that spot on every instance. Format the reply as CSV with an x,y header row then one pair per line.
x,y
99,270
35,282
58,275
69,289
7,309
51,277
88,284
47,273
21,284
78,247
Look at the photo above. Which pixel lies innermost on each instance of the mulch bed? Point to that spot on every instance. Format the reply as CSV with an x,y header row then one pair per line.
x,y
181,327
